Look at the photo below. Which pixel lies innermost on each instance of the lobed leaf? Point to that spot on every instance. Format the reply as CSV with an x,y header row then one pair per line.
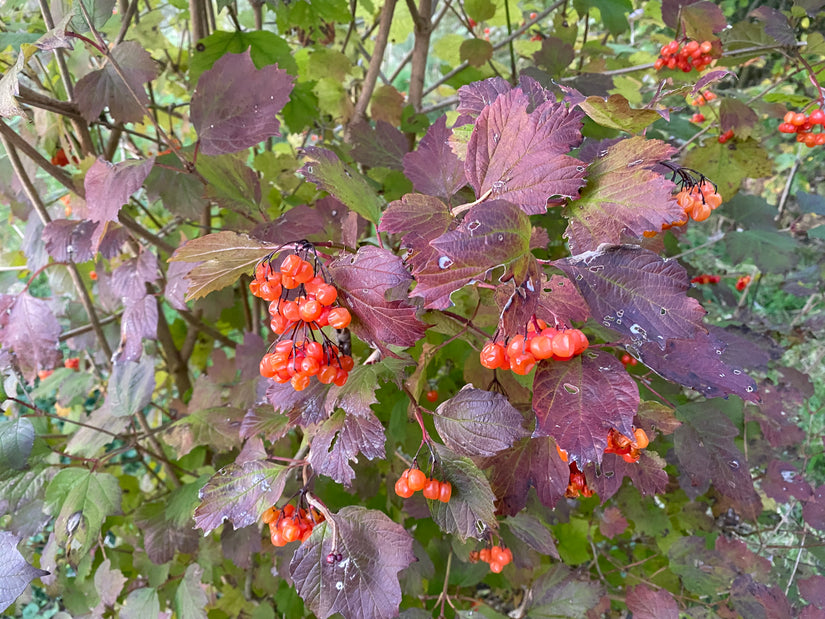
x,y
560,592
339,440
110,185
433,167
647,603
475,422
69,240
421,218
239,493
578,401
381,147
364,583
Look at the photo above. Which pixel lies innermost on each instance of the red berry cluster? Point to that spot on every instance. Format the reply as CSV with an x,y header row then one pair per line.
x,y
803,124
704,97
705,279
520,354
743,282
726,136
288,524
629,449
59,158
72,363
697,118
628,360
698,201
413,480
300,304
496,556
691,55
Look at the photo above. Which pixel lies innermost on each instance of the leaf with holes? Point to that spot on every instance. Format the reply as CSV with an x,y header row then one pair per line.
x,y
522,157
17,573
235,105
421,219
648,475
239,493
223,257
432,167
623,195
373,284
494,233
339,440
110,185
561,303
636,292
475,422
470,511
578,401
364,583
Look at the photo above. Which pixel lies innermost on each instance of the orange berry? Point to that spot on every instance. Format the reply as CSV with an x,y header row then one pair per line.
x,y
523,363
541,347
326,294
496,567
402,489
431,490
492,355
339,318
416,480
305,273
563,345
445,492
640,438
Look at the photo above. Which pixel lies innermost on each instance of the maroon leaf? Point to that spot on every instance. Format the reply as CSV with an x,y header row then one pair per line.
x,y
776,413
69,240
264,420
470,511
492,233
813,589
623,196
531,462
532,532
645,603
753,599
744,347
239,546
737,116
709,78
647,475
776,24
636,292
302,407
324,221
239,493
109,186
783,481
697,363
814,509
578,401
518,304
181,193
433,167
475,422
702,570
612,523
133,275
139,322
561,303
421,219
702,20
235,105
473,98
521,157
381,147
112,242
742,558
161,538
364,583
31,331
104,87
706,452
17,573
654,417
176,284
374,284
340,439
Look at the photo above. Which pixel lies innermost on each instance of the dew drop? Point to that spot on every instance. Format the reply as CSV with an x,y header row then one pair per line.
x,y
499,186
749,389
733,464
736,372
579,278
496,138
339,585
444,262
333,212
500,238
636,162
603,153
571,388
529,285
211,126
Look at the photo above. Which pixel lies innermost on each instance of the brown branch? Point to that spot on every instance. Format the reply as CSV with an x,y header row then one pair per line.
x,y
423,28
209,330
174,362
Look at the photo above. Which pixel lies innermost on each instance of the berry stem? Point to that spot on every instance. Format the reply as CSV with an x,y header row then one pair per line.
x,y
315,502
425,436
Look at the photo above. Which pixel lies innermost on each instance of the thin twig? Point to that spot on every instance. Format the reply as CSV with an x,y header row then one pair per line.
x,y
368,86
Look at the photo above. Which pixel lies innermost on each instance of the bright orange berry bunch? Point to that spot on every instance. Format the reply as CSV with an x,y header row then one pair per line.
x,y
743,282
301,303
413,480
685,55
628,448
521,354
705,279
698,201
288,524
803,126
496,556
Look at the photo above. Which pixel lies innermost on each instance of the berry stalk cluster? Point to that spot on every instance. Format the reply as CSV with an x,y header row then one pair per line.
x,y
705,279
685,56
521,353
301,303
803,126
412,480
698,198
288,524
496,556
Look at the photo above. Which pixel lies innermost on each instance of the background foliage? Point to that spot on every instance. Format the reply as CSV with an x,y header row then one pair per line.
x,y
155,152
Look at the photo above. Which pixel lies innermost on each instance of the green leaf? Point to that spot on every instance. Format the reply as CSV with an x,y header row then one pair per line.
x,y
130,387
231,182
770,250
614,14
141,603
729,164
16,440
99,10
81,500
560,593
573,546
480,10
615,113
266,48
190,598
476,52
181,503
10,87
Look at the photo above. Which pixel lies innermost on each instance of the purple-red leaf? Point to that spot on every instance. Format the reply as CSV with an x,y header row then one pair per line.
x,y
470,510
560,592
814,509
133,275
302,407
381,147
776,23
475,422
636,292
492,233
647,475
373,284
533,532
531,462
612,523
69,240
235,105
104,87
340,439
139,322
109,186
622,196
702,20
813,589
578,401
17,573
706,452
364,583
645,603
31,331
433,167
783,481
421,218
239,493
521,157
223,257
697,363
754,599
561,303
473,98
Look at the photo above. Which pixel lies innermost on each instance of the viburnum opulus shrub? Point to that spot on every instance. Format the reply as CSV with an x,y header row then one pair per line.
x,y
532,335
